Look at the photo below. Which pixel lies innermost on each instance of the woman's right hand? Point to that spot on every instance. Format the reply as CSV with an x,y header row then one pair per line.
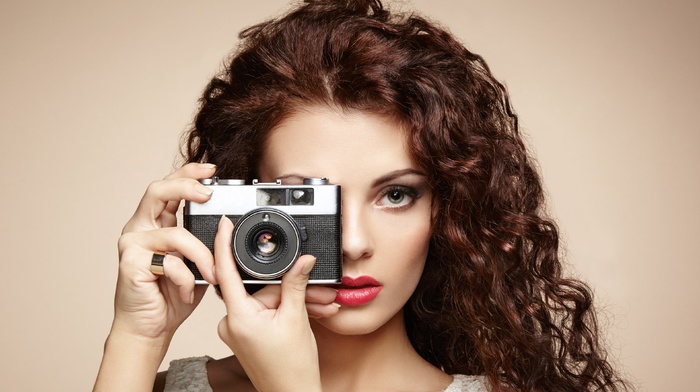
x,y
147,305
148,308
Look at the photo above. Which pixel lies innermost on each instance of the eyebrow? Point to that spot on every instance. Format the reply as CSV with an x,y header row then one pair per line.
x,y
396,174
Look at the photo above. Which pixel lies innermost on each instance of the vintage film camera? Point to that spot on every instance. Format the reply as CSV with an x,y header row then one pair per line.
x,y
273,225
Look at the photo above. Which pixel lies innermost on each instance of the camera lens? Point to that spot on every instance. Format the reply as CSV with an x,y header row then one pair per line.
x,y
266,242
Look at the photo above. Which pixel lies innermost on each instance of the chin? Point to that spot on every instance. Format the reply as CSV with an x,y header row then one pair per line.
x,y
354,321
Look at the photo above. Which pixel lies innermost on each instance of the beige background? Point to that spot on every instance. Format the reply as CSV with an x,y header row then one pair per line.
x,y
94,96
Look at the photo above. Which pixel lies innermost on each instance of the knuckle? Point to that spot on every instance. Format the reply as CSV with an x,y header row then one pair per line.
x,y
176,173
222,330
125,241
189,184
128,264
128,227
227,329
153,187
299,287
178,234
190,167
187,170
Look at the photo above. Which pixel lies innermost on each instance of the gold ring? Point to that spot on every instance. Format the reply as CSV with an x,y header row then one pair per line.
x,y
157,263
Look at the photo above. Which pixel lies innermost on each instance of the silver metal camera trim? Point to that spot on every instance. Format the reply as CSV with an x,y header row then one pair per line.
x,y
276,281
235,199
279,281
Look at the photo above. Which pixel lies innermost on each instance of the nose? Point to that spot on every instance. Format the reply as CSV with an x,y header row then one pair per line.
x,y
357,238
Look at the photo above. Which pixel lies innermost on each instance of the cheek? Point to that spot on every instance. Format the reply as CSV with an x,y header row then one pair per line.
x,y
409,246
409,259
417,250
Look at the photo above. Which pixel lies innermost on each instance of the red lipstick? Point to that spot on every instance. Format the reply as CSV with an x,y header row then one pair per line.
x,y
357,291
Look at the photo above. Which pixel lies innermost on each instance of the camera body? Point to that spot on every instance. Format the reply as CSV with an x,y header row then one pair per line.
x,y
273,225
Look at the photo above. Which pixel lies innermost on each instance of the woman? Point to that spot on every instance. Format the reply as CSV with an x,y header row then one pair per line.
x,y
451,273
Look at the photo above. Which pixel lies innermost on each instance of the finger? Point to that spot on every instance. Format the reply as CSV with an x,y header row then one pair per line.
x,y
190,170
322,310
172,239
159,195
230,283
269,295
294,284
193,170
181,276
320,294
169,216
147,213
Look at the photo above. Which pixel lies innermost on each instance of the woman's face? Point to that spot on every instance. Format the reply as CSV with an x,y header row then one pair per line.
x,y
386,205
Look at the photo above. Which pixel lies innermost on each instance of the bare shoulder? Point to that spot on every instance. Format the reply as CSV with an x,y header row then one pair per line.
x,y
227,374
159,384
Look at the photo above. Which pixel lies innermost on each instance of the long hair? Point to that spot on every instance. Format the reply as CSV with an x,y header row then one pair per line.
x,y
493,299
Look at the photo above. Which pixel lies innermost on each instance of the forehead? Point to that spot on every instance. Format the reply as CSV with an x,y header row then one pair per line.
x,y
320,141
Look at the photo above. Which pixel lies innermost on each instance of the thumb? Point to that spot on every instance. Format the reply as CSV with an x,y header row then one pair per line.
x,y
294,283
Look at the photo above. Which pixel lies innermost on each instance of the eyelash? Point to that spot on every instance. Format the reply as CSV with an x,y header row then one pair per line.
x,y
407,192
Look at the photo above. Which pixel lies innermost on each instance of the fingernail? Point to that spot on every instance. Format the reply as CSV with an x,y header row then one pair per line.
x,y
191,298
337,305
203,189
207,166
308,266
221,221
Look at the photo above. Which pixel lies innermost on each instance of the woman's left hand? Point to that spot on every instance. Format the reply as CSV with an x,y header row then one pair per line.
x,y
274,344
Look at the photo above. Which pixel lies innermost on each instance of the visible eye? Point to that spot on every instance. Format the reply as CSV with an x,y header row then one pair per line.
x,y
398,197
395,197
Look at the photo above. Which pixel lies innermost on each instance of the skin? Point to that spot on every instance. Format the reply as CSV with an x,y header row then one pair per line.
x,y
310,343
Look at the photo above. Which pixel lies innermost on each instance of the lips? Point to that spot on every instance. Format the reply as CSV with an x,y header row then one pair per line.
x,y
357,291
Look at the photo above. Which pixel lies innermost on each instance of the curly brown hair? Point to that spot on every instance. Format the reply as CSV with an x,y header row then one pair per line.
x,y
493,299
